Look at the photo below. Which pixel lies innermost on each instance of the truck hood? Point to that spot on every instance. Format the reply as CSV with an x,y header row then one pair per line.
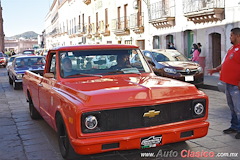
x,y
117,90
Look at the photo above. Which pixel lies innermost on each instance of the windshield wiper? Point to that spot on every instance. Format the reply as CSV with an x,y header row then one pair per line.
x,y
122,72
84,74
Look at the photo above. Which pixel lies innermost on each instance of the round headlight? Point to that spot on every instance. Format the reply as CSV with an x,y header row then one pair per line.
x,y
198,108
19,76
91,122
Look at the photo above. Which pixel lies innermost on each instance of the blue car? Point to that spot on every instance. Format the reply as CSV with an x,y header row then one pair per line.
x,y
21,64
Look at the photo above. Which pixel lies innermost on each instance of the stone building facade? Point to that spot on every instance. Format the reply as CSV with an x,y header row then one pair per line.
x,y
19,45
150,24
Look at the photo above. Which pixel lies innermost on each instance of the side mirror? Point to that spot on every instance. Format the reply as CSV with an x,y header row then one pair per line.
x,y
48,75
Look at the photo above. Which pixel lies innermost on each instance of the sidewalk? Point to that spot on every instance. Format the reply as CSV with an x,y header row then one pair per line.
x,y
210,82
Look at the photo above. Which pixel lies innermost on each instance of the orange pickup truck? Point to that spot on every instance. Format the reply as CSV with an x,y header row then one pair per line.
x,y
101,98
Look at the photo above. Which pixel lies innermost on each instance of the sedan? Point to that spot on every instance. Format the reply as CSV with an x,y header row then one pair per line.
x,y
28,52
172,64
21,64
3,59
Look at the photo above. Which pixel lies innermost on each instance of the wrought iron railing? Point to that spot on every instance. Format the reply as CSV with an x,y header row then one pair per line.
x,y
199,5
121,23
160,10
136,20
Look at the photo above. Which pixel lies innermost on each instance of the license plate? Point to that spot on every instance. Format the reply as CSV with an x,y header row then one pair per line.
x,y
153,141
189,78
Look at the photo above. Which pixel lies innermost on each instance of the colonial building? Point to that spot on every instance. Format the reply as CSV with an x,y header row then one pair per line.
x,y
19,45
150,24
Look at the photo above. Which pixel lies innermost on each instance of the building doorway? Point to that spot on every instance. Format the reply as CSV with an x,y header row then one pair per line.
x,y
156,42
169,39
216,49
141,44
188,42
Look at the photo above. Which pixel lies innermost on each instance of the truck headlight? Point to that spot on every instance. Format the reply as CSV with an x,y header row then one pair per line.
x,y
170,70
198,108
19,76
91,122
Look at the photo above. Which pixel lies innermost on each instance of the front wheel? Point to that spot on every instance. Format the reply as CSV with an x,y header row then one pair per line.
x,y
65,147
10,80
16,85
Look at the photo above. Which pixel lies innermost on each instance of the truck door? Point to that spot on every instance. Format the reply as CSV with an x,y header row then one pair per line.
x,y
46,91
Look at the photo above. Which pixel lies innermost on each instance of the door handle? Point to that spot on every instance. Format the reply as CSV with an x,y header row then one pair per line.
x,y
40,85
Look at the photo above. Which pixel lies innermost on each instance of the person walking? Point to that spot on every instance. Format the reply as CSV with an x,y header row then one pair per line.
x,y
230,74
201,56
196,53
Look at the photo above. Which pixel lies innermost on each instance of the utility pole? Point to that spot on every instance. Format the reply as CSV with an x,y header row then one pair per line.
x,y
2,48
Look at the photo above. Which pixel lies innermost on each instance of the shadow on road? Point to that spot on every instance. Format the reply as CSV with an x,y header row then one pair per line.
x,y
210,87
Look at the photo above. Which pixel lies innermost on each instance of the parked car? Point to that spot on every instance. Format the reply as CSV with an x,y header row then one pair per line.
x,y
97,105
172,64
20,65
3,59
28,52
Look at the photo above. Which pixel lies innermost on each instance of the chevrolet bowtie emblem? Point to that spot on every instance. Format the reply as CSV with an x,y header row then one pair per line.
x,y
151,113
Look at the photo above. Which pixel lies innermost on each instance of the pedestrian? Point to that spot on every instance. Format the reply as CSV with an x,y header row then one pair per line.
x,y
230,74
199,47
195,54
13,53
202,56
171,46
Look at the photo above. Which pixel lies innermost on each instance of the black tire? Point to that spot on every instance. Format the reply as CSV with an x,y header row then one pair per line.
x,y
65,147
10,80
16,85
34,114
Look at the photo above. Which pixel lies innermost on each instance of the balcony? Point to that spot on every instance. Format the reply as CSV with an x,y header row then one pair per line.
x,y
106,33
105,29
120,26
202,11
90,31
97,34
81,30
137,22
162,15
89,35
87,2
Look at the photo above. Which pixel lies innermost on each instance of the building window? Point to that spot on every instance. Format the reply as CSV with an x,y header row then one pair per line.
x,y
156,42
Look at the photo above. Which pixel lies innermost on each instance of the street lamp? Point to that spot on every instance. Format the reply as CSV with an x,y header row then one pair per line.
x,y
147,2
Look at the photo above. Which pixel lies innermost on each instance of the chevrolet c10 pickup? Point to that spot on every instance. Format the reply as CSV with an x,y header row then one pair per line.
x,y
101,98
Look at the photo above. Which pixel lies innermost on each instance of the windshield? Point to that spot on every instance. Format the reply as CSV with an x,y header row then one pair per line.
x,y
11,59
28,52
102,62
163,56
26,62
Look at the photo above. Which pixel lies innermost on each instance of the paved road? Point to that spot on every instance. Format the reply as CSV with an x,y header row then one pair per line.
x,y
24,139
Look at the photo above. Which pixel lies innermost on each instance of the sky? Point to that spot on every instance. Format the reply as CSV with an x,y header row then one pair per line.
x,y
20,16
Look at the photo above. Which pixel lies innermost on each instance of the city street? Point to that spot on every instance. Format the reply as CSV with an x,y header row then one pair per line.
x,y
25,139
